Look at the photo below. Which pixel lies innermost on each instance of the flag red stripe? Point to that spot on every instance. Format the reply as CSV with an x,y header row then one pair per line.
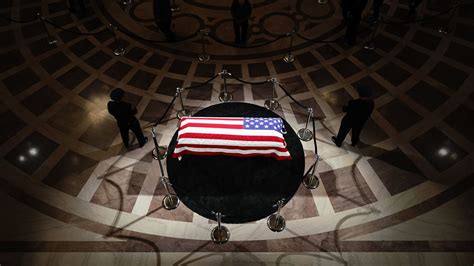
x,y
213,118
230,137
211,126
278,157
229,147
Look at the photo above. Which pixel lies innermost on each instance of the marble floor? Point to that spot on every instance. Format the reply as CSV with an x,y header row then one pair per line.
x,y
72,194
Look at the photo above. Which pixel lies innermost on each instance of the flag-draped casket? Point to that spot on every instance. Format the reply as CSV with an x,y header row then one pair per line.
x,y
232,136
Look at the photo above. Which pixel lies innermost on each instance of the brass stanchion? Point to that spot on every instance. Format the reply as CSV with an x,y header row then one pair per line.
x,y
118,51
170,201
272,104
203,57
370,44
50,38
225,96
220,234
322,2
289,58
159,152
175,7
311,181
305,134
182,113
127,2
276,222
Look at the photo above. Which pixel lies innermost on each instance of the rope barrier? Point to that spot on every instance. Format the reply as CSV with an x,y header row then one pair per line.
x,y
426,18
201,84
247,46
132,35
76,32
166,111
249,82
17,20
291,97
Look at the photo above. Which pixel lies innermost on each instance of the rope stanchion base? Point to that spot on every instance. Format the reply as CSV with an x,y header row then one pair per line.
x,y
310,181
272,104
289,58
175,8
443,30
170,202
120,51
305,134
370,45
161,154
225,97
183,113
220,235
322,2
276,222
204,57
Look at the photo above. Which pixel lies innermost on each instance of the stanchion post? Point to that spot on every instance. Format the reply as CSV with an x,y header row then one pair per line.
x,y
183,112
127,2
203,57
276,222
311,181
50,38
370,44
118,51
322,2
225,96
170,201
174,7
272,104
159,152
289,58
220,234
305,134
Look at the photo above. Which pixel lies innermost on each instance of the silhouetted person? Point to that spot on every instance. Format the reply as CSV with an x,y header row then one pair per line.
x,y
413,6
241,11
125,115
357,113
163,17
352,13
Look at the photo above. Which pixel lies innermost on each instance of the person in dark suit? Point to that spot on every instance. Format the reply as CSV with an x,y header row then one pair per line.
x,y
124,113
352,13
413,6
163,17
357,113
241,11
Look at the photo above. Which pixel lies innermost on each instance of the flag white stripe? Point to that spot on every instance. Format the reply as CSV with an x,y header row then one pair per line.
x,y
235,143
230,131
217,150
214,122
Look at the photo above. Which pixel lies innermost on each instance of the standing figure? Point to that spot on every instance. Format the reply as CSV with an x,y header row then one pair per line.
x,y
413,6
241,11
352,13
124,113
357,113
163,17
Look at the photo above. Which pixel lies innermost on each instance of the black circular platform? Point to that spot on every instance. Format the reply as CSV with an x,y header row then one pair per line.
x,y
243,189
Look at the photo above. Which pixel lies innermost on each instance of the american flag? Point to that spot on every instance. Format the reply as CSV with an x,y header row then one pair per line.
x,y
233,136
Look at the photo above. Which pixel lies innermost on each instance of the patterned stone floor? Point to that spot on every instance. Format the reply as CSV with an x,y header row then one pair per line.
x,y
72,194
